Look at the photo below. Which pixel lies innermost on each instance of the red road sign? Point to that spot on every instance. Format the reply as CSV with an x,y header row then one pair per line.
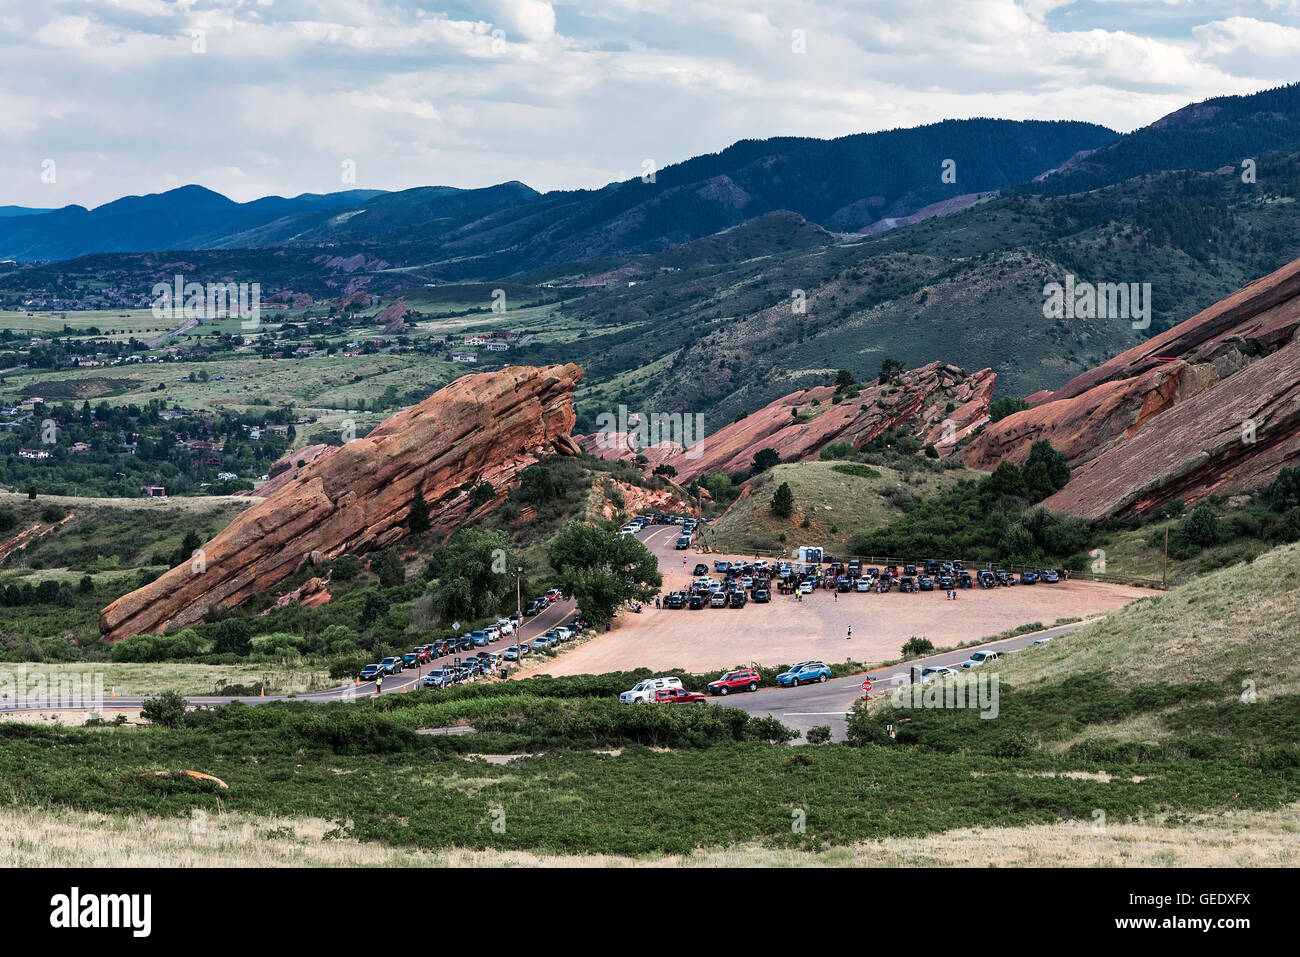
x,y
866,686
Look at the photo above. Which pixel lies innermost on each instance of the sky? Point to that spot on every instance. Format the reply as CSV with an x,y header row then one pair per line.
x,y
106,98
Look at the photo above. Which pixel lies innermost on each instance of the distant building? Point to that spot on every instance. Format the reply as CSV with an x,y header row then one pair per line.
x,y
498,347
464,357
476,340
155,491
33,453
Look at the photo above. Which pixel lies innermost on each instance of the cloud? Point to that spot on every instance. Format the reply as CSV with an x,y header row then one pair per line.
x,y
569,94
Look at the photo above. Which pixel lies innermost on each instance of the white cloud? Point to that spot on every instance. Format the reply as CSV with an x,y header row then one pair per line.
x,y
579,91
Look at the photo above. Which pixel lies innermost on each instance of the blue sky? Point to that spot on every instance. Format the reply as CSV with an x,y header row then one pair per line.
x,y
254,97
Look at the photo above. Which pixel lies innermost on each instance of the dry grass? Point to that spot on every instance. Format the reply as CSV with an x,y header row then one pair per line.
x,y
129,679
1244,618
63,838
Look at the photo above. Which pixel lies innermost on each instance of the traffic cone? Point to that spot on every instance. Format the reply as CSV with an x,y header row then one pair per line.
x,y
263,694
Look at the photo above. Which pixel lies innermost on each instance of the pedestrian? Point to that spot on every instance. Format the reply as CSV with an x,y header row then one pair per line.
x,y
849,636
837,594
656,601
379,683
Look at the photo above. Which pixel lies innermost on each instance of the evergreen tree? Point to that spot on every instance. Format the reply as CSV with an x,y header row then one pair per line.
x,y
783,501
418,521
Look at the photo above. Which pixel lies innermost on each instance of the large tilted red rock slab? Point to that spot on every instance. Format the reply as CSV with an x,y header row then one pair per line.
x,y
1265,312
918,400
484,427
1198,447
1201,363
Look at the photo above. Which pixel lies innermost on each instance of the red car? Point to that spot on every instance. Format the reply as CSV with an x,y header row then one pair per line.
x,y
679,696
743,679
552,594
422,653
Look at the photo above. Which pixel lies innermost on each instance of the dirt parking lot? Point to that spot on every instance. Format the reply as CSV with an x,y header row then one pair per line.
x,y
785,630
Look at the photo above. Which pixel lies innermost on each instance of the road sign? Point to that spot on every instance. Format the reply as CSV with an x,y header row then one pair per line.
x,y
866,686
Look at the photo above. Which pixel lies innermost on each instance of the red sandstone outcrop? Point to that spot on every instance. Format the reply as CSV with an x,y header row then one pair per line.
x,y
1206,406
919,400
484,427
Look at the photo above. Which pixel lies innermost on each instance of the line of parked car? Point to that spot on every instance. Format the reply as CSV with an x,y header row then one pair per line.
x,y
669,690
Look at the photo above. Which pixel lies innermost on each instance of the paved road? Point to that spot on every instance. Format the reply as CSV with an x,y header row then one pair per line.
x,y
828,703
556,614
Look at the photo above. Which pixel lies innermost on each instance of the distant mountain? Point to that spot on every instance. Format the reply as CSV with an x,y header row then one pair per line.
x,y
190,217
1223,131
845,184
7,211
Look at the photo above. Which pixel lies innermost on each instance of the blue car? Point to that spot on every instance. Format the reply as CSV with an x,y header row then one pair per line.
x,y
479,638
802,674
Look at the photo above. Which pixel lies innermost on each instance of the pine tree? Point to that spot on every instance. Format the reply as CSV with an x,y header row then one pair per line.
x,y
419,517
783,501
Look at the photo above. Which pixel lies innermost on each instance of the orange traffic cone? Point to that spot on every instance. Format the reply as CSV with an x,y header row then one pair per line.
x,y
263,689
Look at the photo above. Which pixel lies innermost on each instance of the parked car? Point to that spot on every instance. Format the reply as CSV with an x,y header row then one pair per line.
x,y
802,674
738,598
988,580
679,696
511,653
762,595
391,665
862,585
541,642
411,660
844,584
438,678
506,625
422,654
493,633
1028,578
553,594
925,583
683,542
675,600
697,601
479,638
1050,576
928,674
370,672
533,607
964,580
743,679
806,588
563,632
718,599
701,569
644,691
978,658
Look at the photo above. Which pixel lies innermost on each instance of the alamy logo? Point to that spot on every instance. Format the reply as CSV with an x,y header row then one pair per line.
x,y
657,428
179,299
979,691
21,690
74,910
1104,300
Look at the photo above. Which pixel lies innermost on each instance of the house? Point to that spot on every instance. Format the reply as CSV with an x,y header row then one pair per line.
x,y
155,491
475,341
81,447
464,357
226,476
498,347
33,453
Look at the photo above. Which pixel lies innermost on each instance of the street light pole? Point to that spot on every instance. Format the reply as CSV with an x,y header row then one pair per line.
x,y
519,612
1164,574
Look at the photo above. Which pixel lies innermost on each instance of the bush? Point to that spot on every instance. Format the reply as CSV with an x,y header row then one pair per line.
x,y
345,568
782,505
916,646
819,734
167,710
856,469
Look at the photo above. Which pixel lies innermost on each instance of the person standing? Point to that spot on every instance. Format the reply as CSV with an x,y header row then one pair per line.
x,y
379,683
849,636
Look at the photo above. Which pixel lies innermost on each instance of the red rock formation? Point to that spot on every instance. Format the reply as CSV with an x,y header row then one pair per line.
x,y
390,317
285,469
484,427
1166,419
919,400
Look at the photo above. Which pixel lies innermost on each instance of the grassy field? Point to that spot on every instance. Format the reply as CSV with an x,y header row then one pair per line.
x,y
1238,623
837,506
132,679
59,837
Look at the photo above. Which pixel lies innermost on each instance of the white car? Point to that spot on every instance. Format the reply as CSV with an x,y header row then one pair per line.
x,y
978,658
506,625
564,631
806,588
929,674
493,633
863,584
1042,641
644,692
